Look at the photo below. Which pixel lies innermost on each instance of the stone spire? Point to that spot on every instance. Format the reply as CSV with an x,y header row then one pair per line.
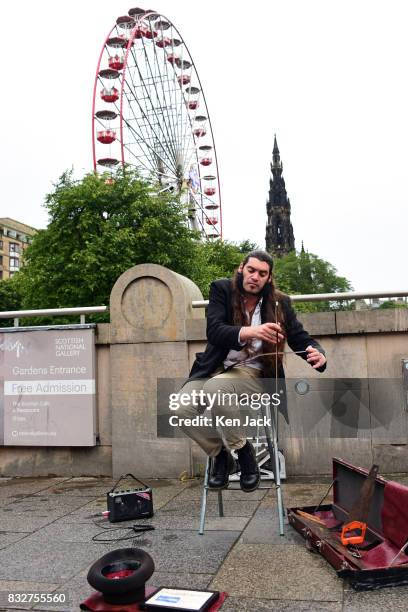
x,y
279,232
276,165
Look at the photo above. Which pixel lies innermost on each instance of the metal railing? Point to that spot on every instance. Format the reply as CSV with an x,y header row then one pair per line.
x,y
55,312
329,297
84,310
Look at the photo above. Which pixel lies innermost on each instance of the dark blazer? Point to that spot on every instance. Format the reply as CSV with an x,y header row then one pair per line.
x,y
222,335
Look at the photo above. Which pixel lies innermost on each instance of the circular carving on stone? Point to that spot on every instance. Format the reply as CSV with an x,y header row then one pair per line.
x,y
146,302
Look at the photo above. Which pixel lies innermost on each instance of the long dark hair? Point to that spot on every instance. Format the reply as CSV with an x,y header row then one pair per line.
x,y
272,311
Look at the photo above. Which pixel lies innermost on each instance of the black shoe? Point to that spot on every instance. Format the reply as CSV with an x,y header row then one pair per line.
x,y
223,465
250,474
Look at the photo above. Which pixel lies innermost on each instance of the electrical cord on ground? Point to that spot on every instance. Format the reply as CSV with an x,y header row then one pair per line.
x,y
137,529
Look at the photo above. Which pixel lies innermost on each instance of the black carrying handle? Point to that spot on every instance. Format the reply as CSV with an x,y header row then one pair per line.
x,y
125,476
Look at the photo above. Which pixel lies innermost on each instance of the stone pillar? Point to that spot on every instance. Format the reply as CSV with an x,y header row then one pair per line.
x,y
151,319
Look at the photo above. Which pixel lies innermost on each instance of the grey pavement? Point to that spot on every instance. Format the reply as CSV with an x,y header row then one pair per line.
x,y
47,526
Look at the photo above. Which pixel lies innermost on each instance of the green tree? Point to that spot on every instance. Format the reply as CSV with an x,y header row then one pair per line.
x,y
10,298
392,304
217,259
305,273
99,229
96,231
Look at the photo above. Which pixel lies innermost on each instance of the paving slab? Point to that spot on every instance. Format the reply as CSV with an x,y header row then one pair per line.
x,y
8,537
161,520
32,513
162,494
25,522
395,599
30,484
277,572
192,507
52,559
263,528
82,487
60,532
10,587
212,523
17,610
186,551
401,478
47,561
79,484
195,492
75,590
35,504
89,512
246,604
180,580
20,487
299,494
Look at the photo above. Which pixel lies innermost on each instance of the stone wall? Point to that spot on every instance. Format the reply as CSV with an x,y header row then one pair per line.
x,y
154,333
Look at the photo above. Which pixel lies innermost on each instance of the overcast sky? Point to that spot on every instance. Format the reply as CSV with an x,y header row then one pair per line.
x,y
329,77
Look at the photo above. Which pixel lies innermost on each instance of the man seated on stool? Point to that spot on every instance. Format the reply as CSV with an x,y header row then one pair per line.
x,y
247,317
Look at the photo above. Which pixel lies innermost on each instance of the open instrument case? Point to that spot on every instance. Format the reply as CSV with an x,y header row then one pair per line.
x,y
374,563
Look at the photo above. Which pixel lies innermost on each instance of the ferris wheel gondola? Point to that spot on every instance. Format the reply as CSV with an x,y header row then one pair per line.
x,y
149,111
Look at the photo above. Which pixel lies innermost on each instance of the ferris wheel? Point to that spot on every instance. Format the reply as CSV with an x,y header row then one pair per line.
x,y
149,111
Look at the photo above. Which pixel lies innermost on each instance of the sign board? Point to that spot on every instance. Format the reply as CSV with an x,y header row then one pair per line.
x,y
47,387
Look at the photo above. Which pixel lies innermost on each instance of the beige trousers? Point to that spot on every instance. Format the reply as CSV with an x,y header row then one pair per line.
x,y
225,388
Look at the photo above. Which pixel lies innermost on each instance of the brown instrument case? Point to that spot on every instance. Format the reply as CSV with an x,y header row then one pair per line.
x,y
374,563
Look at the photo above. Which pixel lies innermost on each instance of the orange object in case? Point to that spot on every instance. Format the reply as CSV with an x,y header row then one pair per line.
x,y
349,535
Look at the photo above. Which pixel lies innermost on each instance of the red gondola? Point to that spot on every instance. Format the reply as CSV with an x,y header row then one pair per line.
x,y
116,62
210,191
172,58
110,95
140,31
199,132
163,42
150,34
106,136
183,79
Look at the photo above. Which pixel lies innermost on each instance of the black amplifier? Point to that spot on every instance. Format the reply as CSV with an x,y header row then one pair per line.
x,y
128,504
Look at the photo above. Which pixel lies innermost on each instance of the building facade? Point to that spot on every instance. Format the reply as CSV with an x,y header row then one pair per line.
x,y
14,239
279,231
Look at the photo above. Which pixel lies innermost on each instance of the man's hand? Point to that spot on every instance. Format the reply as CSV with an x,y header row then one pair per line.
x,y
269,332
315,358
